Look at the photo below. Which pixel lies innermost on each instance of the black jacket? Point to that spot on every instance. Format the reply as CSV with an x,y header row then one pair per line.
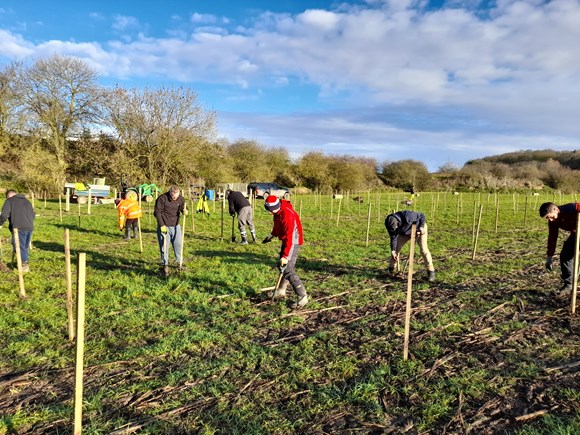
x,y
406,219
167,211
237,201
18,211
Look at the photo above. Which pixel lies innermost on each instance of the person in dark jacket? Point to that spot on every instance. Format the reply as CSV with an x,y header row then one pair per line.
x,y
168,208
239,204
19,213
287,228
563,217
399,228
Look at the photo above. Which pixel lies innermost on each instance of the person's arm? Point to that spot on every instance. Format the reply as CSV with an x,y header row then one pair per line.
x,y
5,214
232,208
552,238
158,211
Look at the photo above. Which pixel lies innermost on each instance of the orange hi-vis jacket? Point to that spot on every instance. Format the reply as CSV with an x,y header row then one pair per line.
x,y
128,209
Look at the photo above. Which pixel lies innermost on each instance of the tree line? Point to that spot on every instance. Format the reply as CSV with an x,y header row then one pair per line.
x,y
58,124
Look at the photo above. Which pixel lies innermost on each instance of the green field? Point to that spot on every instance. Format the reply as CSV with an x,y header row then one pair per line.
x,y
205,351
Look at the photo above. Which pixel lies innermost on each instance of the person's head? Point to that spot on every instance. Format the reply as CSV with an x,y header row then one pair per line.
x,y
272,204
392,223
10,193
174,192
550,211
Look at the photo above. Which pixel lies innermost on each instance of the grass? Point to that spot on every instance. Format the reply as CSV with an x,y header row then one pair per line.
x,y
205,351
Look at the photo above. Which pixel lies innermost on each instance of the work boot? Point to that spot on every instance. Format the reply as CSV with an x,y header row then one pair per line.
x,y
127,234
25,267
565,291
253,233
165,271
431,276
134,233
391,270
280,292
244,240
302,300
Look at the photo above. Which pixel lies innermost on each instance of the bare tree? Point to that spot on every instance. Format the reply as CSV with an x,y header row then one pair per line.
x,y
162,131
10,109
61,95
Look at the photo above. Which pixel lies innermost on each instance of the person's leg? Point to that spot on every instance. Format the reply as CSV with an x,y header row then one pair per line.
x,y
250,222
425,253
161,238
242,220
567,259
24,238
176,241
292,277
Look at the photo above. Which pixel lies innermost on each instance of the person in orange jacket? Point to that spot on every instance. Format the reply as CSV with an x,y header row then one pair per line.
x,y
129,213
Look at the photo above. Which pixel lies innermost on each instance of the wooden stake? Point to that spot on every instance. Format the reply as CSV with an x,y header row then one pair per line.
x,y
300,210
69,295
477,233
331,205
368,225
19,263
409,293
496,211
576,261
60,206
67,200
140,236
223,211
182,239
526,212
89,202
80,345
338,213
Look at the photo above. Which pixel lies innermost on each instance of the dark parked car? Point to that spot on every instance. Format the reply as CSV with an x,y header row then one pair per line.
x,y
262,190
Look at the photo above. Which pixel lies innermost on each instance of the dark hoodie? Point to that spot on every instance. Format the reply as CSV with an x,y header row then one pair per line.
x,y
18,211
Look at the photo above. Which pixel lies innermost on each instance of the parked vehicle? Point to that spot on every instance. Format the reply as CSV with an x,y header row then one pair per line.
x,y
239,187
80,192
262,190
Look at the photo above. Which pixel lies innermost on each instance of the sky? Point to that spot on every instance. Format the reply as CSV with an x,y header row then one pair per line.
x,y
435,81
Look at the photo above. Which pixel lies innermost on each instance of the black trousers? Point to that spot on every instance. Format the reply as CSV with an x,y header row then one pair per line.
x,y
567,259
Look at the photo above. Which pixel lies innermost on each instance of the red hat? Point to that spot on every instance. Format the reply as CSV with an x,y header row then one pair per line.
x,y
272,204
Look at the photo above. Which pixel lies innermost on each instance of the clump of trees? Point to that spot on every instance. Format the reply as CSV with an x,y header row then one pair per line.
x,y
57,123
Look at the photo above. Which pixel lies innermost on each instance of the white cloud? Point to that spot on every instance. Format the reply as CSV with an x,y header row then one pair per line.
x,y
510,69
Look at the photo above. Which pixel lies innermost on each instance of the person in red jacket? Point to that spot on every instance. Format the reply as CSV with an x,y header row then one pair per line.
x,y
129,212
562,217
287,228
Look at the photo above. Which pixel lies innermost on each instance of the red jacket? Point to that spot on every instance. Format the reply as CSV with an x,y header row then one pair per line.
x,y
288,228
567,220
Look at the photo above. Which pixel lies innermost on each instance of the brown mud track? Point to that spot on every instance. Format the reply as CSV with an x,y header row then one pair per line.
x,y
480,346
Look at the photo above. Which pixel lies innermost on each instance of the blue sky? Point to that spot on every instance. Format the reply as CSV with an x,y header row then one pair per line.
x,y
437,81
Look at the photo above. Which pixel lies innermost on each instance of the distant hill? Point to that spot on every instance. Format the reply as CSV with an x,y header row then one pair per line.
x,y
570,159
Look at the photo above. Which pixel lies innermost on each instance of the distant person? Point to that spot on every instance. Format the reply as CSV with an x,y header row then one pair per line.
x,y
287,228
19,213
563,217
168,208
399,228
129,212
239,204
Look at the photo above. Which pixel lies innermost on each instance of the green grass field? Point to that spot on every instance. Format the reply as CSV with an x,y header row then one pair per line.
x,y
205,351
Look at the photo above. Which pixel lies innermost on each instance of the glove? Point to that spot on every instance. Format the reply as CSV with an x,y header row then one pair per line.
x,y
268,239
395,255
232,214
163,229
549,264
185,211
121,228
283,264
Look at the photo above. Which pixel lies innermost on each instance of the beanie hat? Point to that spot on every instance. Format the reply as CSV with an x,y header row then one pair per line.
x,y
272,204
392,223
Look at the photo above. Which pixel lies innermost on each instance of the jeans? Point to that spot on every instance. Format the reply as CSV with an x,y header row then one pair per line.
x,y
24,238
172,236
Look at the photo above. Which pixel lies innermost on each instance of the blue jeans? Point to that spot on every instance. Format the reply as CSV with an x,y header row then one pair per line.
x,y
172,236
24,238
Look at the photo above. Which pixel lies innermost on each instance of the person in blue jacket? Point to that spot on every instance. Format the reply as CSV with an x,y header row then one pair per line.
x,y
399,228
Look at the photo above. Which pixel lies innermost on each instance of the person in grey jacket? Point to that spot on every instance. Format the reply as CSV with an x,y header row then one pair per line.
x,y
239,204
399,228
19,213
